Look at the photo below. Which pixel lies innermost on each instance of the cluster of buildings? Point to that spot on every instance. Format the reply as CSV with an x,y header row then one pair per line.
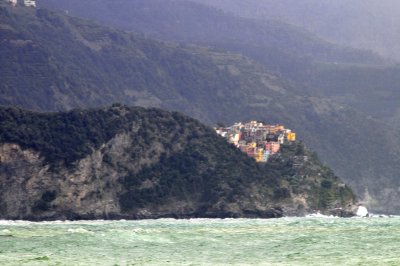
x,y
31,3
256,139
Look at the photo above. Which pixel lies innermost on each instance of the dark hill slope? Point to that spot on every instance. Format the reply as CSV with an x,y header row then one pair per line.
x,y
122,162
280,46
372,90
293,52
54,62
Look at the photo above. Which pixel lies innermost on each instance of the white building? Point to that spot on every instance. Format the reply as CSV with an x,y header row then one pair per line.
x,y
31,3
12,2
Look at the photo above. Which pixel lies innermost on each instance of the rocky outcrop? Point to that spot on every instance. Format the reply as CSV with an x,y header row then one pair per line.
x,y
156,164
30,189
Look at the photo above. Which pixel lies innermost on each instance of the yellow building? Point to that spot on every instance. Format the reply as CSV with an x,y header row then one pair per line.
x,y
291,136
252,144
259,155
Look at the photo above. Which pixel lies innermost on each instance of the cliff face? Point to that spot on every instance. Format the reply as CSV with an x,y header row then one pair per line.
x,y
30,190
154,164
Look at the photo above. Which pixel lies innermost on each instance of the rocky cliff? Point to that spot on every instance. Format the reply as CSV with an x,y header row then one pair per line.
x,y
133,163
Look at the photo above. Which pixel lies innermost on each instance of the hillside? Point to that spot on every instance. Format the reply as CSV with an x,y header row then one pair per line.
x,y
344,75
121,162
278,45
102,66
363,24
370,89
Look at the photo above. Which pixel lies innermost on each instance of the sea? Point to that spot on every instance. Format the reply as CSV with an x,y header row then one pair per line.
x,y
285,241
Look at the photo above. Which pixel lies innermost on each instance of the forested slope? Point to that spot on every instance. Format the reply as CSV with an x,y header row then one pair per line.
x,y
121,162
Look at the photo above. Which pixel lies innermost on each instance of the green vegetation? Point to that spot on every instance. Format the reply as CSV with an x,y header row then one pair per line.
x,y
301,170
206,170
168,158
64,137
70,136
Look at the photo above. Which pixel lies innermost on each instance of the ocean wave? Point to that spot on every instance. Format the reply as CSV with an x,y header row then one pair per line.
x,y
79,230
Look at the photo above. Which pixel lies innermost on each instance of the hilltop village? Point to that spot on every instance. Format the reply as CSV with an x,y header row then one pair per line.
x,y
256,139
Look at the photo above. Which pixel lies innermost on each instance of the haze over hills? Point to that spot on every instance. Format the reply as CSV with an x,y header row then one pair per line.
x,y
365,24
103,65
279,46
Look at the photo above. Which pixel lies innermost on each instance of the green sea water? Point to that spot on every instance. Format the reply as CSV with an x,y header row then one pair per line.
x,y
286,241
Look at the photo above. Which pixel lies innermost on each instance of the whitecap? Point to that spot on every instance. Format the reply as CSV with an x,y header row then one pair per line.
x,y
5,232
79,230
362,211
